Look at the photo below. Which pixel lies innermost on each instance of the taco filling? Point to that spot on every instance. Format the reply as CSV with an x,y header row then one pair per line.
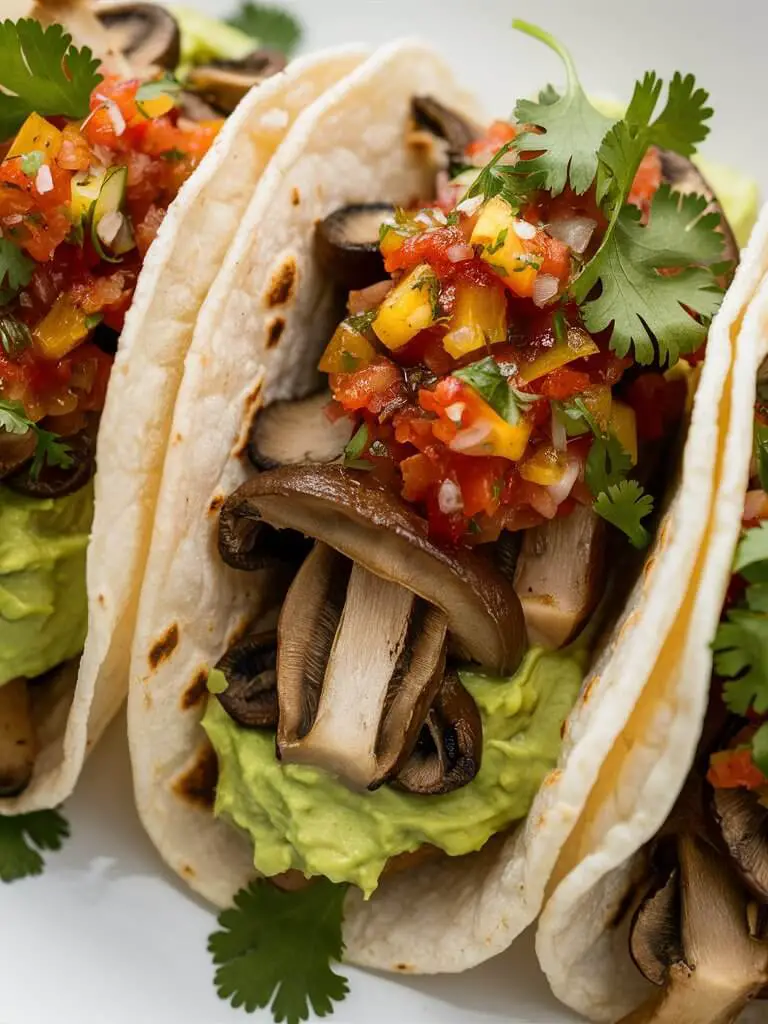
x,y
496,414
90,163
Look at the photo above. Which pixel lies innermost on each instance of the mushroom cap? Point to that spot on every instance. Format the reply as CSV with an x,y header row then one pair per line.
x,y
347,244
295,432
250,668
743,823
146,34
59,481
353,513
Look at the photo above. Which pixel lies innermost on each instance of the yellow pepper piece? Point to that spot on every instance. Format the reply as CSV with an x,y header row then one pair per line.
x,y
507,440
347,351
61,330
545,466
598,401
577,345
499,232
479,318
37,134
623,424
409,308
156,106
84,191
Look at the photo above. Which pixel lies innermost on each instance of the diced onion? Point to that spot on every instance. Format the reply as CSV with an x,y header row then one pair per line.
x,y
44,180
455,412
541,501
109,227
560,491
449,498
558,432
470,206
524,230
467,439
369,298
114,112
576,232
459,253
545,288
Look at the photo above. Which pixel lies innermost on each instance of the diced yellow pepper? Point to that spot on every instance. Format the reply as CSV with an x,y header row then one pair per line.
x,y
391,242
545,466
408,309
156,106
479,319
61,330
503,248
507,440
598,401
84,191
577,345
348,350
37,134
623,424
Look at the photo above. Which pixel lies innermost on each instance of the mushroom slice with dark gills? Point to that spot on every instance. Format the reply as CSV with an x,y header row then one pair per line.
x,y
351,512
59,480
698,939
743,823
347,244
454,128
250,668
360,661
223,83
297,432
146,34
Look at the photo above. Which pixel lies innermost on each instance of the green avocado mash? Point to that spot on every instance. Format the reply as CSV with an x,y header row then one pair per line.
x,y
43,606
301,817
204,39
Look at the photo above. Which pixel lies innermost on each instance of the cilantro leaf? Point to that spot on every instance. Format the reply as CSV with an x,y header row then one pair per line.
x,y
645,306
485,377
16,269
362,322
43,73
498,179
166,85
13,418
573,129
608,461
357,444
277,948
23,837
625,505
51,450
14,335
760,748
752,554
761,451
270,26
32,161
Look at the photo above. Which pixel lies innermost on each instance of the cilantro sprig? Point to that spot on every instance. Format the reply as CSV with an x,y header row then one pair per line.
x,y
24,837
355,448
276,949
15,336
269,26
42,72
625,505
16,269
487,379
50,450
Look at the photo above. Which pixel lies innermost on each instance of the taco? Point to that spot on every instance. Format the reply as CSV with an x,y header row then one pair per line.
x,y
380,587
118,199
676,896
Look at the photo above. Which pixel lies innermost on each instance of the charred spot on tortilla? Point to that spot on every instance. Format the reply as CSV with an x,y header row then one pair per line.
x,y
275,331
216,502
282,284
164,647
188,871
102,601
295,197
198,784
196,691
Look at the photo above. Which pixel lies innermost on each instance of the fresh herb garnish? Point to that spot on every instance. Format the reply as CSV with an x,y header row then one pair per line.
x,y
625,505
15,336
741,642
23,836
32,161
16,269
276,949
761,451
167,85
573,130
485,377
560,327
498,179
362,322
42,72
431,283
355,449
270,26
498,242
51,450
93,320
173,156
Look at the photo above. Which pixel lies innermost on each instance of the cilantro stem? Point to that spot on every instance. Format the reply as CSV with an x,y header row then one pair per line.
x,y
544,37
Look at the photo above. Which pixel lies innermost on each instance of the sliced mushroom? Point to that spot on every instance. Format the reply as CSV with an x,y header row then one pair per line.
x,y
360,661
722,966
743,822
146,34
58,481
685,177
364,520
250,668
655,940
347,244
81,21
223,83
249,544
18,743
15,450
457,130
559,576
292,433
448,752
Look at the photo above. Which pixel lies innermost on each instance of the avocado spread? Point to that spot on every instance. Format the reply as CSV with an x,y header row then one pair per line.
x,y
43,605
301,817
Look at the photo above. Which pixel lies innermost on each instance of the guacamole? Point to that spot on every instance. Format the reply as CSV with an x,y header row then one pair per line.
x,y
204,39
301,817
43,606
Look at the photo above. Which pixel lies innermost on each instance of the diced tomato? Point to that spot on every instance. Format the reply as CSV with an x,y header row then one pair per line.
x,y
146,229
420,474
732,769
481,481
647,180
555,256
412,428
499,133
562,383
428,247
367,388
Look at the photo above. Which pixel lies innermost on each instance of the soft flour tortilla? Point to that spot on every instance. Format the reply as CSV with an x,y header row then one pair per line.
x,y
583,933
256,340
178,272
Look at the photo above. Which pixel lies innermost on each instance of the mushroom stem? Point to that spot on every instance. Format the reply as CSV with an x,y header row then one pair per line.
x,y
18,743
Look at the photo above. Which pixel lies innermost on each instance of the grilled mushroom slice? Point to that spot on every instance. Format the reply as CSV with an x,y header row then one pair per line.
x,y
347,244
18,743
292,433
223,83
146,34
743,822
250,668
449,748
457,130
361,660
365,521
718,964
58,481
249,544
15,450
685,177
559,575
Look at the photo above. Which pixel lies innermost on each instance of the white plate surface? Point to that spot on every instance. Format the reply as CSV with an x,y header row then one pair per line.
x,y
107,936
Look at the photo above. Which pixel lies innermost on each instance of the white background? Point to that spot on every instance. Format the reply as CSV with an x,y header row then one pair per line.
x,y
107,936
